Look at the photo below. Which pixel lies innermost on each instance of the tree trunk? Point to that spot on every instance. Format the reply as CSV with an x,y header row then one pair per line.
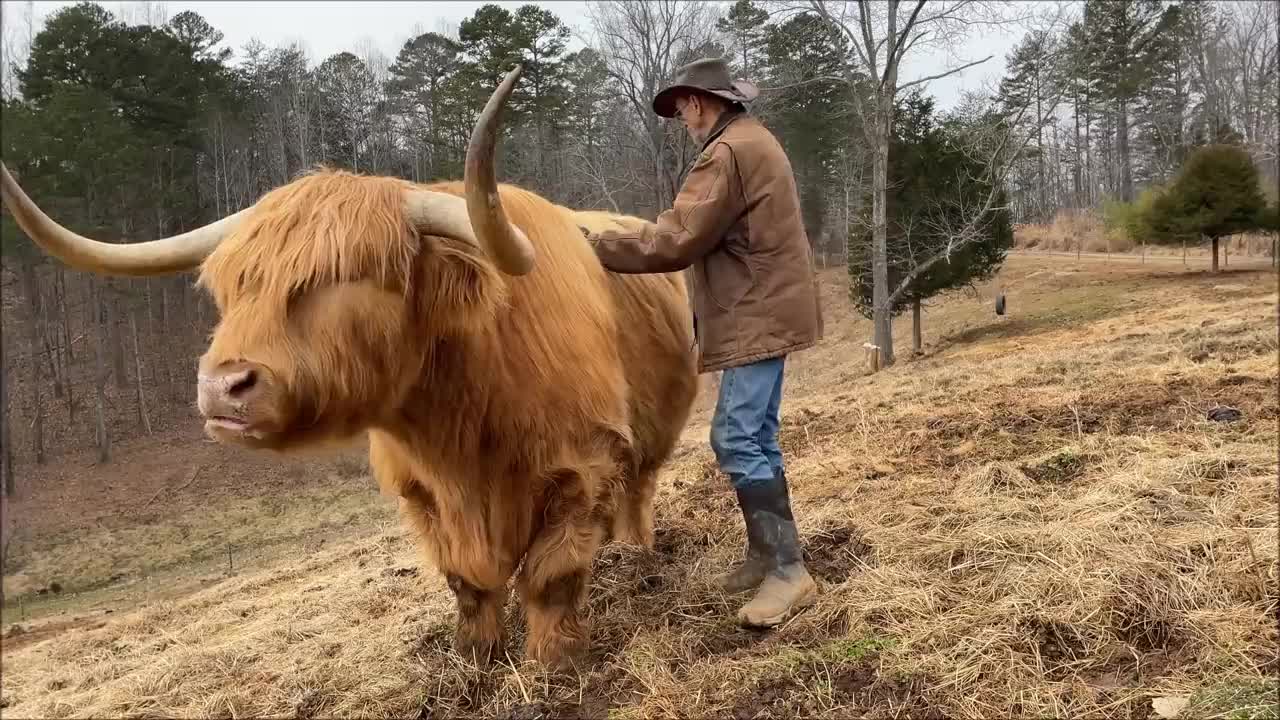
x,y
1090,185
166,340
32,291
917,344
68,351
53,354
52,334
100,380
6,446
1214,241
1042,212
883,337
1122,147
137,366
1077,172
115,322
151,331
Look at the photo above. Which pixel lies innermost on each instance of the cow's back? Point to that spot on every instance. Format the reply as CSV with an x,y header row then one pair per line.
x,y
655,335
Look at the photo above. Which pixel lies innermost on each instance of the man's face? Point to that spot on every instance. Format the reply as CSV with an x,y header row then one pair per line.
x,y
696,115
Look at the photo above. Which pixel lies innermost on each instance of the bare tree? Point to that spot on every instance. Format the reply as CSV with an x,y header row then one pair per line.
x,y
882,35
642,44
995,146
17,30
143,12
1250,49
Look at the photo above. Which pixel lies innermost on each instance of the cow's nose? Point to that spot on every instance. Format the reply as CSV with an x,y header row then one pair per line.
x,y
229,388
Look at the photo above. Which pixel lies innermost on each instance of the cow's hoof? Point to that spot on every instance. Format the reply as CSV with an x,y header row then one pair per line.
x,y
558,654
477,648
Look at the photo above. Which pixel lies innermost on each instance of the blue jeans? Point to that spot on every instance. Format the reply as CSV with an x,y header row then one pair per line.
x,y
744,429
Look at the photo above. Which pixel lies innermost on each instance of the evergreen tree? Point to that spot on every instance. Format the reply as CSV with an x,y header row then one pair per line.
x,y
1164,101
811,113
1026,91
1216,194
747,24
1075,74
934,185
418,93
1123,32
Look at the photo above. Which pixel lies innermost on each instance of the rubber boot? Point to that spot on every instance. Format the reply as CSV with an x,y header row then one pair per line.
x,y
757,563
787,586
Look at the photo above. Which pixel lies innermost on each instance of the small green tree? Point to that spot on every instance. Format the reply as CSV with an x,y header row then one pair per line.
x,y
1215,194
934,185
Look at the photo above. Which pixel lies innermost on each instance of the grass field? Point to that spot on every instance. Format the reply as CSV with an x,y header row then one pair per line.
x,y
1036,518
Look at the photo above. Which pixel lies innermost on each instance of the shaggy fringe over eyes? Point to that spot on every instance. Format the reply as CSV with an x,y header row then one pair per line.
x,y
327,226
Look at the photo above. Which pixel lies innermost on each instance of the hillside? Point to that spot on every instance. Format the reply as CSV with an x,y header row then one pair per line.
x,y
1036,518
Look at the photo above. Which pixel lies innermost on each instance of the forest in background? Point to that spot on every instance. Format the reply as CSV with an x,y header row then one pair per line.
x,y
146,125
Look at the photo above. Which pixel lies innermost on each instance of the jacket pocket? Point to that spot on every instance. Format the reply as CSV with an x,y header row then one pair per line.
x,y
729,277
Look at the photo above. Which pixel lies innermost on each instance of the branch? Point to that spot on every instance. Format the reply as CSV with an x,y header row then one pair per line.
x,y
901,43
872,48
968,232
801,83
941,75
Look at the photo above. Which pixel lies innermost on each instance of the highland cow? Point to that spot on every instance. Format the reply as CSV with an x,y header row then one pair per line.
x,y
518,398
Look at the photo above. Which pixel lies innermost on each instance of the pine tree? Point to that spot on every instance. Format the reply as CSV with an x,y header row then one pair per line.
x,y
417,91
1216,194
1122,31
1028,84
748,25
812,110
934,185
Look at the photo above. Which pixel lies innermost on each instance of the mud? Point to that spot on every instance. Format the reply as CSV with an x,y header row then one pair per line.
x,y
834,554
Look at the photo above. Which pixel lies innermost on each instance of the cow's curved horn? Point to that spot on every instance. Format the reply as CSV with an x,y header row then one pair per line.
x,y
155,257
438,213
510,249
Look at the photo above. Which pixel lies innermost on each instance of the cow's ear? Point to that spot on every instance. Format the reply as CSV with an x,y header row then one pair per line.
x,y
455,289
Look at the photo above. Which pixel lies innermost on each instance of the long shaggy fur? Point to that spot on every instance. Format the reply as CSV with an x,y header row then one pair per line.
x,y
519,419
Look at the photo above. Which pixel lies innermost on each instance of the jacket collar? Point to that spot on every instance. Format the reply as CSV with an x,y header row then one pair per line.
x,y
725,118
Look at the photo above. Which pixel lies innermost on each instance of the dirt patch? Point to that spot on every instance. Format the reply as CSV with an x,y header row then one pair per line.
x,y
807,428
856,689
1060,468
18,636
597,695
1058,644
835,552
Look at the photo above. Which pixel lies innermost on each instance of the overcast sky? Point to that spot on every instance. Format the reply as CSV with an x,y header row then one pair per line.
x,y
325,28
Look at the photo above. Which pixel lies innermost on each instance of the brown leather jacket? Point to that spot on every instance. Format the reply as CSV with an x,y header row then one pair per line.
x,y
737,223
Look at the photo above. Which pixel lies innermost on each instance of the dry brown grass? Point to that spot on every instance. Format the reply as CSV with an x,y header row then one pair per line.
x,y
1084,230
1035,519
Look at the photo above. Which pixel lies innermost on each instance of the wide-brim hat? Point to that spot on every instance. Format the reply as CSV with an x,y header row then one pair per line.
x,y
709,75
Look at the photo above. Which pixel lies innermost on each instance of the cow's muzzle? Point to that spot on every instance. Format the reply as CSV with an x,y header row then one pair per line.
x,y
227,396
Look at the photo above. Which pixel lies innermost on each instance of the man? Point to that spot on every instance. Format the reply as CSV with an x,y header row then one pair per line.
x,y
737,223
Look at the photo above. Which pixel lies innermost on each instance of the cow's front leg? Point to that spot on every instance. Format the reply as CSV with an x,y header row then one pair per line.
x,y
478,582
633,521
553,583
480,635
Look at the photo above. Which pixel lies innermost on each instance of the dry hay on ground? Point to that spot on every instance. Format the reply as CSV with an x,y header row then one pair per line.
x,y
1033,523
1085,231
